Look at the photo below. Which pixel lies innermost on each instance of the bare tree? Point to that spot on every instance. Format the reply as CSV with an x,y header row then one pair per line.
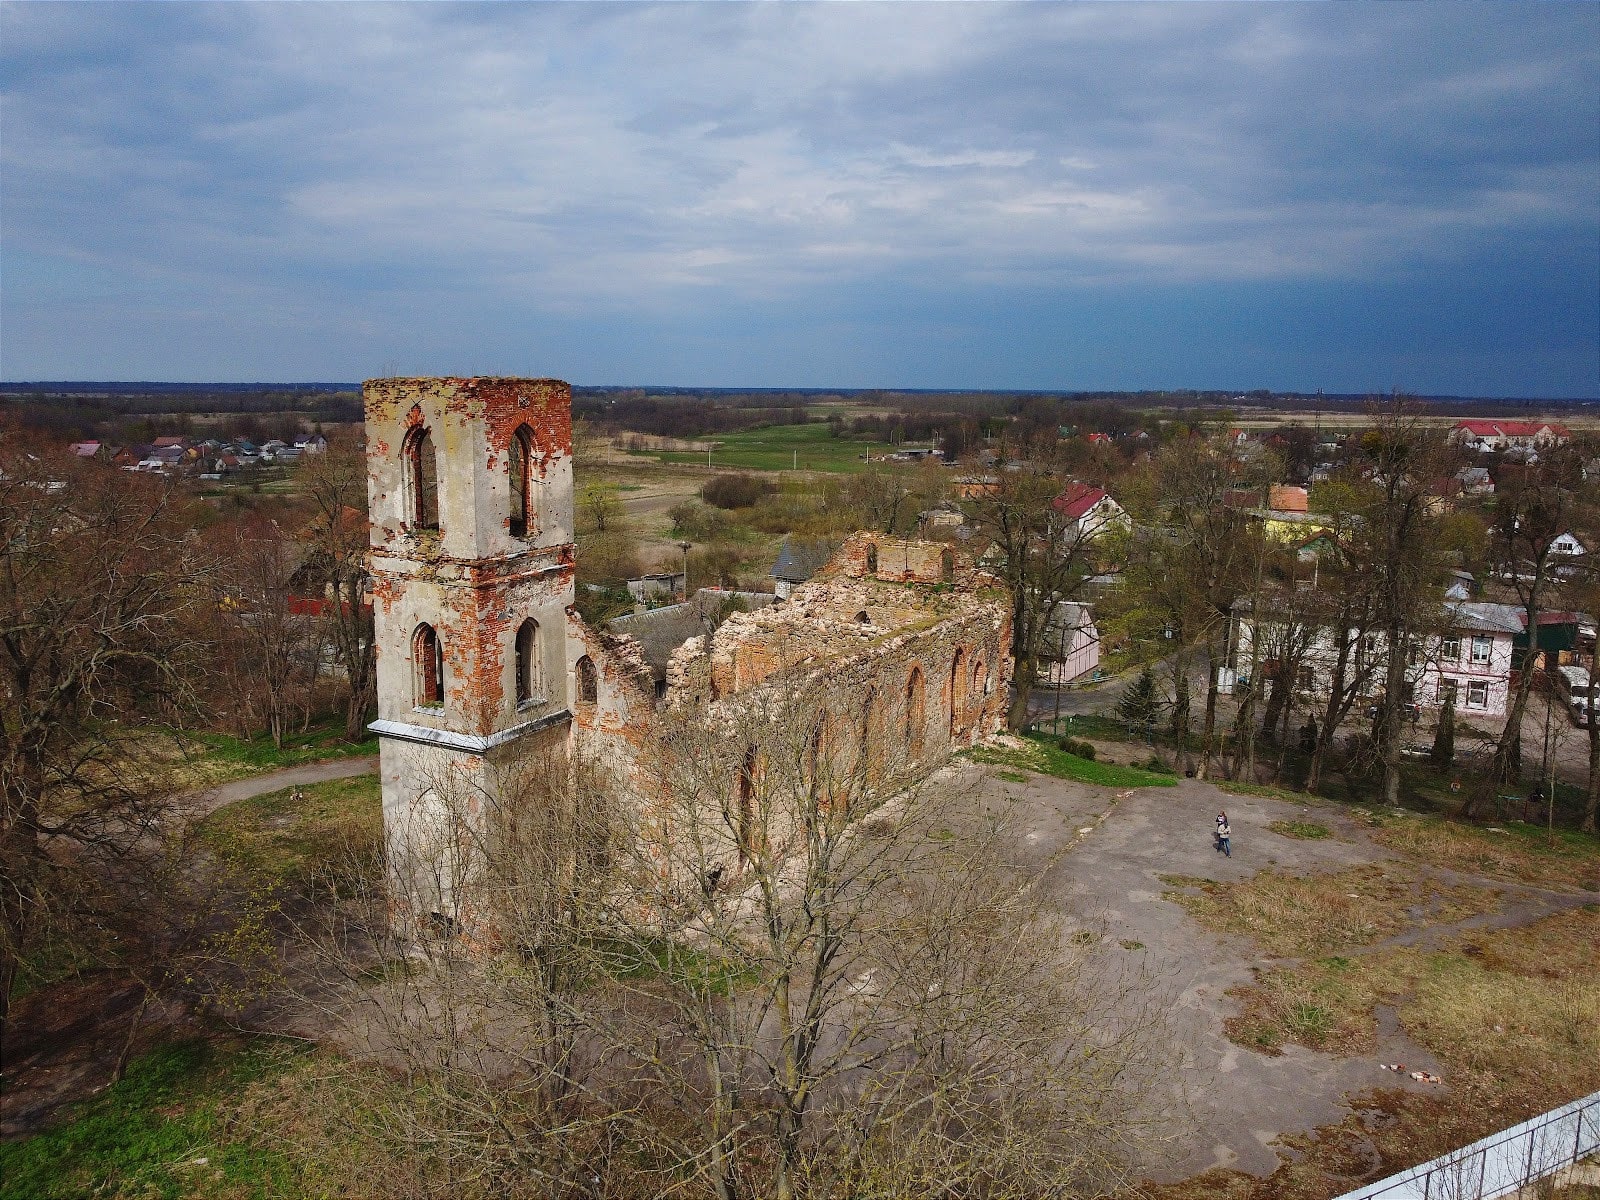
x,y
1533,507
1043,559
272,651
336,544
853,981
776,972
101,586
1402,459
1192,569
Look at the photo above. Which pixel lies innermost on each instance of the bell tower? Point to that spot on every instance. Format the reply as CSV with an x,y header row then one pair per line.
x,y
469,484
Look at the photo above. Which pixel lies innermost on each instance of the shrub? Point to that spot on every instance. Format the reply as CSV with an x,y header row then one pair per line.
x,y
735,491
691,519
1075,746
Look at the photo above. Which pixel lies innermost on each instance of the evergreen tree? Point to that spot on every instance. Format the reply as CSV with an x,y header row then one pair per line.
x,y
1141,703
1444,741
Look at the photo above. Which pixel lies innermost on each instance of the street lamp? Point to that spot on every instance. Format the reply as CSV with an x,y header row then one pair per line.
x,y
684,546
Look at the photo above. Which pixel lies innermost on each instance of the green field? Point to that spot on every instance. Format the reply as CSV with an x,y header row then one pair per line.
x,y
782,448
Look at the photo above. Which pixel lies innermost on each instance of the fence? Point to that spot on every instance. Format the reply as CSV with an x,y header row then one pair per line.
x,y
1501,1163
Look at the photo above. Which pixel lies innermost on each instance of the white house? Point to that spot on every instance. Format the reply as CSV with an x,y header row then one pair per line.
x,y
1567,545
1088,512
1472,661
1070,648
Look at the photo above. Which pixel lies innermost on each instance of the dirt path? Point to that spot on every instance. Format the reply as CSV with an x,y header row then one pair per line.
x,y
202,803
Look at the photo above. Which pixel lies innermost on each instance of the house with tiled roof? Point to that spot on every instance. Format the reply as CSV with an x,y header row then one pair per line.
x,y
1088,512
1509,435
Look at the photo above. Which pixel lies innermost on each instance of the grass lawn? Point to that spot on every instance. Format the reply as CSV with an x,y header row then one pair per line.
x,y
219,757
1043,757
781,448
163,1131
291,842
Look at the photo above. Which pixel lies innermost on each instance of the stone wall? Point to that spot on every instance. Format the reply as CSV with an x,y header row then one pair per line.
x,y
908,672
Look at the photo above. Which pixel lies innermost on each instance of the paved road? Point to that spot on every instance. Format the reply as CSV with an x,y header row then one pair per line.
x,y
260,785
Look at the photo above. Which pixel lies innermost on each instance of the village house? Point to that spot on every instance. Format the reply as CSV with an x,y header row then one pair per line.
x,y
1070,647
1476,481
1088,513
1472,661
1509,435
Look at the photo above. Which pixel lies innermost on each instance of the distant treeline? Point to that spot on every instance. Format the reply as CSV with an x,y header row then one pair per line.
x,y
132,410
121,412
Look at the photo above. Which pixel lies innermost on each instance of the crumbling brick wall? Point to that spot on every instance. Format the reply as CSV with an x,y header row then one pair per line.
x,y
918,664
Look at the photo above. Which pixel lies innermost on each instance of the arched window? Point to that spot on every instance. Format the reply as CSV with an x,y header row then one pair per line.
x,y
588,681
872,558
958,690
947,567
816,757
421,479
529,684
915,713
427,667
868,760
520,460
746,817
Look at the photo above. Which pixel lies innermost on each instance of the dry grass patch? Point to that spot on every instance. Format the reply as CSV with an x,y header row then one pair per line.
x,y
1513,1016
1301,830
1516,852
1324,1005
1300,916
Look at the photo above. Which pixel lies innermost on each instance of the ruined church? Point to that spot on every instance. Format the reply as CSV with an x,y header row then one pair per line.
x,y
482,655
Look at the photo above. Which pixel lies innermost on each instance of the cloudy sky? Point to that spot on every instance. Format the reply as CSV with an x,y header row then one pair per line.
x,y
1352,197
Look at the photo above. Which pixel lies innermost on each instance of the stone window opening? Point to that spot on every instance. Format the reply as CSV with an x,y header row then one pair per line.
x,y
872,558
816,758
862,618
947,567
427,667
866,764
746,815
520,465
530,682
915,713
421,479
958,689
588,681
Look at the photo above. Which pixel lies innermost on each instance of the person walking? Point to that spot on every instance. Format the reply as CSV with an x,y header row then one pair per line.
x,y
1224,834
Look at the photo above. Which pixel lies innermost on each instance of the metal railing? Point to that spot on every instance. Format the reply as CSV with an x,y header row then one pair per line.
x,y
1501,1163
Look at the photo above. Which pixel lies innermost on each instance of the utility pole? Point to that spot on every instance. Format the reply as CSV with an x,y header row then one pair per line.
x,y
684,546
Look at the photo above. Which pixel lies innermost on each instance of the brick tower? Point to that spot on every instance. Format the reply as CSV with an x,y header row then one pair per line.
x,y
469,485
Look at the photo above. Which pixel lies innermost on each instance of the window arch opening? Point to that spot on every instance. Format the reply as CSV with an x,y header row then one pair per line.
x,y
427,667
746,832
529,684
588,681
421,479
520,463
915,712
958,691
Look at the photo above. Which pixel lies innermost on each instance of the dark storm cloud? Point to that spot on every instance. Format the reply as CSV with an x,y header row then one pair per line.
x,y
196,190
